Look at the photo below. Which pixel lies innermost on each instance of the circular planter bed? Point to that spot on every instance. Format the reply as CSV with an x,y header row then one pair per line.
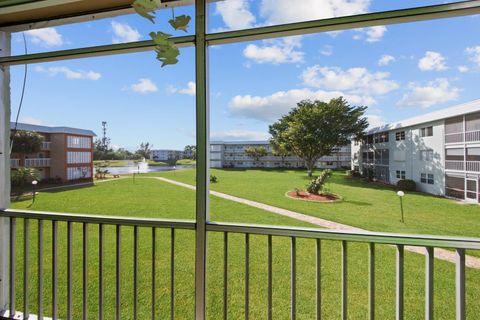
x,y
303,195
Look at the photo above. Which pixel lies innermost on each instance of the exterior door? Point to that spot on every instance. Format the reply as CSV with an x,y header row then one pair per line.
x,y
471,192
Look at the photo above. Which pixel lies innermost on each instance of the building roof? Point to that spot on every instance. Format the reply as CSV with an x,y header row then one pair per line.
x,y
46,129
458,110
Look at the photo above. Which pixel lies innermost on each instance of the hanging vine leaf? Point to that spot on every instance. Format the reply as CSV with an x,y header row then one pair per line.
x,y
180,22
167,51
145,8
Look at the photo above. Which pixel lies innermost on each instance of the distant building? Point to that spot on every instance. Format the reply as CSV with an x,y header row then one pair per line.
x,y
440,151
231,154
165,155
66,154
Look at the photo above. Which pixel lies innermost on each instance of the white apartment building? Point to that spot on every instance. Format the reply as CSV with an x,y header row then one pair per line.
x,y
440,151
231,154
165,155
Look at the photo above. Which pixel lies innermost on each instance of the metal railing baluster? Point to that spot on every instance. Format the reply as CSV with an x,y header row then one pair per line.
x,y
26,255
429,257
118,240
13,237
371,280
293,279
460,284
247,275
40,270
225,275
100,270
154,259
344,280
172,272
85,272
70,270
270,279
318,267
135,270
400,282
54,269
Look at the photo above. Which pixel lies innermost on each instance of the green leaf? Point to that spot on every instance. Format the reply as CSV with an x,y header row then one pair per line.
x,y
180,22
145,8
167,51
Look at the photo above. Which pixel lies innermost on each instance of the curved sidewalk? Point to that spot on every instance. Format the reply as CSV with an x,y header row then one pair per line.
x,y
441,254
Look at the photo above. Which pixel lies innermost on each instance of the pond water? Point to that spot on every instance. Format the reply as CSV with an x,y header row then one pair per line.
x,y
143,167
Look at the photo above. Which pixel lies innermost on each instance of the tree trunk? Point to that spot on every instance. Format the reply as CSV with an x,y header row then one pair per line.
x,y
310,166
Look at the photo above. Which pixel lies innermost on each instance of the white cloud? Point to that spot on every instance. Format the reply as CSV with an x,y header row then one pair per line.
x,y
237,135
437,91
370,34
327,50
144,86
463,69
376,33
385,60
283,11
46,37
275,51
69,73
235,14
375,120
124,33
432,61
271,107
474,53
31,120
356,80
190,89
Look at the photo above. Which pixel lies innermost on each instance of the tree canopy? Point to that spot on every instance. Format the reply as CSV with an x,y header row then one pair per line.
x,y
26,142
314,129
256,152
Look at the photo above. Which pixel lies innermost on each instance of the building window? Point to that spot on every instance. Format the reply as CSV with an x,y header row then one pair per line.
x,y
400,135
79,142
456,154
400,174
329,163
426,132
426,155
427,178
430,179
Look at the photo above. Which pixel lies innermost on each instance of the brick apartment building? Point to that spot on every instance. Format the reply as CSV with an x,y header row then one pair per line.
x,y
66,154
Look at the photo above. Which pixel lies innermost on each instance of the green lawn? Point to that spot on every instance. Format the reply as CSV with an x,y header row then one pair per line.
x,y
364,205
153,198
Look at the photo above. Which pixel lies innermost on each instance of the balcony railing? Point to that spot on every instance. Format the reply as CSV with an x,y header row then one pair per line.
x,y
14,163
104,235
37,162
472,136
454,165
454,137
46,145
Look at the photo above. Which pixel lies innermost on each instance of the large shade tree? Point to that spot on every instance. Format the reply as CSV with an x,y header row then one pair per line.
x,y
26,142
314,129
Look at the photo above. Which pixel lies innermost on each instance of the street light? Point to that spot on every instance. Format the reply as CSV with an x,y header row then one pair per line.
x,y
401,194
34,186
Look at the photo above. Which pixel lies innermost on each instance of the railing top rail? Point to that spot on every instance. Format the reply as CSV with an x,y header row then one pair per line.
x,y
356,236
99,219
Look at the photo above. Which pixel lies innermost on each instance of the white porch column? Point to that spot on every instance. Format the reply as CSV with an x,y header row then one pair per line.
x,y
5,50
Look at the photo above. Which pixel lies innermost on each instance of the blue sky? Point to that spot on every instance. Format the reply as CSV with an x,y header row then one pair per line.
x,y
397,71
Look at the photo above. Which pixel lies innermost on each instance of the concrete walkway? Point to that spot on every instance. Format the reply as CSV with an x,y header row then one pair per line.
x,y
441,254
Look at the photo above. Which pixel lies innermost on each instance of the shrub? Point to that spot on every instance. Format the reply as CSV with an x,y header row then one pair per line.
x,y
316,185
23,175
213,178
406,185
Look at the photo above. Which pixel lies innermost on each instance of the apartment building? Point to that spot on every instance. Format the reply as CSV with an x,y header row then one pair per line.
x,y
440,151
66,154
231,154
165,155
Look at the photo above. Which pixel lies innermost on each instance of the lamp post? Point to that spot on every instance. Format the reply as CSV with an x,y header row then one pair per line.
x,y
401,194
34,187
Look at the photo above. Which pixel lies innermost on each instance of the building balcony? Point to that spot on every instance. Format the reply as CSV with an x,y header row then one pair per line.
x,y
46,145
14,163
468,136
37,162
469,166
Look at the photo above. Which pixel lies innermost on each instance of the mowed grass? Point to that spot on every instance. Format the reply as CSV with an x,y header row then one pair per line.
x,y
153,198
364,205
